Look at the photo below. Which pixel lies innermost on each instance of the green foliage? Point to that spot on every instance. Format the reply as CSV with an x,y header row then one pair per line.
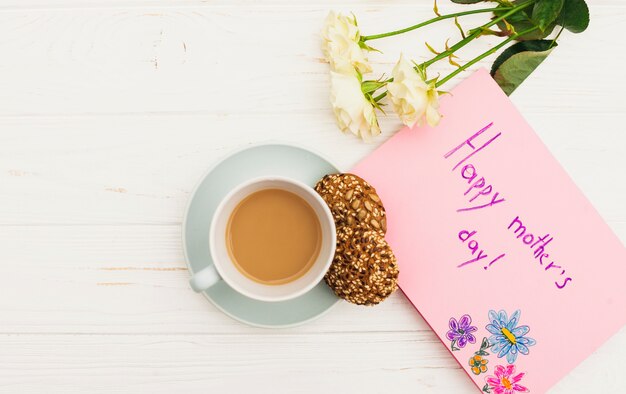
x,y
545,12
518,61
546,15
575,16
522,21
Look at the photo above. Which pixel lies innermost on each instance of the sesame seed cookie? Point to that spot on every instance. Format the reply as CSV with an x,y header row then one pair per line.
x,y
364,270
352,201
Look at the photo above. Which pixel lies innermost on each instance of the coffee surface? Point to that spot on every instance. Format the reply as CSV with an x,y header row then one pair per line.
x,y
273,236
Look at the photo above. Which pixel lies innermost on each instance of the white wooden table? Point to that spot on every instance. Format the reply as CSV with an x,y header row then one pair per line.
x,y
109,113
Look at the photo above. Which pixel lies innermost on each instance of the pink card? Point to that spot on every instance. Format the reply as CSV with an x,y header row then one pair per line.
x,y
498,249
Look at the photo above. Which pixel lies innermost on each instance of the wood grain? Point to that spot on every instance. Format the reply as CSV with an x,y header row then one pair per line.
x,y
205,60
111,111
189,363
132,280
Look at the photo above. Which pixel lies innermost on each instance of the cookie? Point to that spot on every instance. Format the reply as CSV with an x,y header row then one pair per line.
x,y
364,270
352,201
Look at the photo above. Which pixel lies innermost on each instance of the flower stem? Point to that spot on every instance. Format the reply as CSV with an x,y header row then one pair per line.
x,y
475,34
428,22
557,37
483,55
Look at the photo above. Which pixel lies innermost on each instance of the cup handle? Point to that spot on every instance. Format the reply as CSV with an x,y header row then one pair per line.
x,y
204,279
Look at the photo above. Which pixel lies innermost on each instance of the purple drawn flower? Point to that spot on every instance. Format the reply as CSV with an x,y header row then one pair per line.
x,y
460,332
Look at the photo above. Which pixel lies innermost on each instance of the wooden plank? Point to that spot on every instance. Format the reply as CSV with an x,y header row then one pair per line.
x,y
141,169
253,60
266,363
30,4
110,113
133,279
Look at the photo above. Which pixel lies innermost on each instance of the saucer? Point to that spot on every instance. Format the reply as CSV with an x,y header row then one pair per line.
x,y
259,160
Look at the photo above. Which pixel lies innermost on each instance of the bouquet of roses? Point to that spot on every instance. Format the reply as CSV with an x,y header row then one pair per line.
x,y
530,27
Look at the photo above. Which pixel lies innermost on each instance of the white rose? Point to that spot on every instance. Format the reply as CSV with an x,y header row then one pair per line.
x,y
340,44
432,110
353,110
411,96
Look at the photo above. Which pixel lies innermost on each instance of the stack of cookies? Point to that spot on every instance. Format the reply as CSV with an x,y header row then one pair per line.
x,y
364,270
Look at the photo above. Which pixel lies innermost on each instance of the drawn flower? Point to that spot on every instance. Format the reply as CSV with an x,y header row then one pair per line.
x,y
505,381
353,109
508,338
341,44
460,332
412,97
478,364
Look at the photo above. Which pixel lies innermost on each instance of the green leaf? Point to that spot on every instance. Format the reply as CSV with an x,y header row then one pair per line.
x,y
486,388
431,49
575,16
523,15
371,86
521,21
458,25
524,25
545,12
518,61
368,48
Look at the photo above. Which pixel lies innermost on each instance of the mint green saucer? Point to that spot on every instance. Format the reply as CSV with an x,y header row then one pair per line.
x,y
271,159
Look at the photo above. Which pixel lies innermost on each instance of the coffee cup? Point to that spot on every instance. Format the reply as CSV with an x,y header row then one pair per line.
x,y
226,265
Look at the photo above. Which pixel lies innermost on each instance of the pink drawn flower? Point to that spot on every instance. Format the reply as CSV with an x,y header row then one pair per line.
x,y
505,381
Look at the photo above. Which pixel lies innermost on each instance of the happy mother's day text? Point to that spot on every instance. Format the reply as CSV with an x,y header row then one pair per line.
x,y
481,194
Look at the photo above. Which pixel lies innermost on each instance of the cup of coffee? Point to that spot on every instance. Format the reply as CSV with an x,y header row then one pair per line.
x,y
271,238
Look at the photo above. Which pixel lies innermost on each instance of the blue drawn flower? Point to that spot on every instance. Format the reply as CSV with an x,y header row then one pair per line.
x,y
508,338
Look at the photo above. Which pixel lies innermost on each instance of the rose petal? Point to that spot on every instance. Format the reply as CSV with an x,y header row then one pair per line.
x,y
432,115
